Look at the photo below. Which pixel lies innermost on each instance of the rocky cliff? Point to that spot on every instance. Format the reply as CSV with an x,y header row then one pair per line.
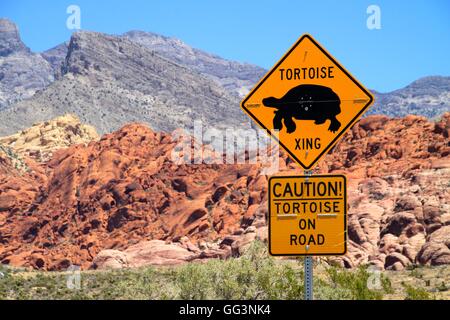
x,y
22,73
237,78
56,57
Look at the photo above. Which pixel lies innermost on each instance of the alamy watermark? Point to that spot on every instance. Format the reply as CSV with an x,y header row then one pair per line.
x,y
73,21
73,278
374,280
207,145
374,19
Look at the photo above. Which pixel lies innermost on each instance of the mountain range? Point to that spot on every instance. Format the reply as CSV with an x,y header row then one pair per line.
x,y
427,96
111,80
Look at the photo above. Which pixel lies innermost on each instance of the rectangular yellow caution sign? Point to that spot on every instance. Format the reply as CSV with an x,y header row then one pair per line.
x,y
307,215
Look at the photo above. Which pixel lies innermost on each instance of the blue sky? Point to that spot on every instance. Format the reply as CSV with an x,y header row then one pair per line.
x,y
414,39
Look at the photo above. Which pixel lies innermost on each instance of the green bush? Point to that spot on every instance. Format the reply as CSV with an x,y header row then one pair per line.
x,y
255,275
354,284
416,293
442,287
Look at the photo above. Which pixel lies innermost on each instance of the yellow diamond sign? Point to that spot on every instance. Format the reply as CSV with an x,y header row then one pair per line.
x,y
307,101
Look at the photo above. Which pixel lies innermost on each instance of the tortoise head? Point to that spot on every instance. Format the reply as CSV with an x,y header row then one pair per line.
x,y
271,102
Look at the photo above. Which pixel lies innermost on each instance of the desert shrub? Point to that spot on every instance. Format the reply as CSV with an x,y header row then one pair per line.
x,y
442,287
416,273
4,275
255,275
192,281
353,284
416,293
135,284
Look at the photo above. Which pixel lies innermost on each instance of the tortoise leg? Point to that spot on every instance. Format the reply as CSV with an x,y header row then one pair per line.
x,y
320,121
334,125
290,124
277,120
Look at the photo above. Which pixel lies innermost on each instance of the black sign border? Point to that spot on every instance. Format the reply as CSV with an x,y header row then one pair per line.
x,y
345,216
369,95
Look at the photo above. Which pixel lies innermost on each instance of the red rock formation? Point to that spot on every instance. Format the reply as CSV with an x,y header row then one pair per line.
x,y
124,189
399,173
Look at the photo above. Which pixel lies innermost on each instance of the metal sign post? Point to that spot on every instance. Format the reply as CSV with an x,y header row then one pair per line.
x,y
308,264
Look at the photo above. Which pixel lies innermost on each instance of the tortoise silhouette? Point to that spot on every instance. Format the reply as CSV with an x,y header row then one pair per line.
x,y
305,102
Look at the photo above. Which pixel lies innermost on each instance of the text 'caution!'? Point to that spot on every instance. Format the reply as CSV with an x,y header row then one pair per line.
x,y
307,215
